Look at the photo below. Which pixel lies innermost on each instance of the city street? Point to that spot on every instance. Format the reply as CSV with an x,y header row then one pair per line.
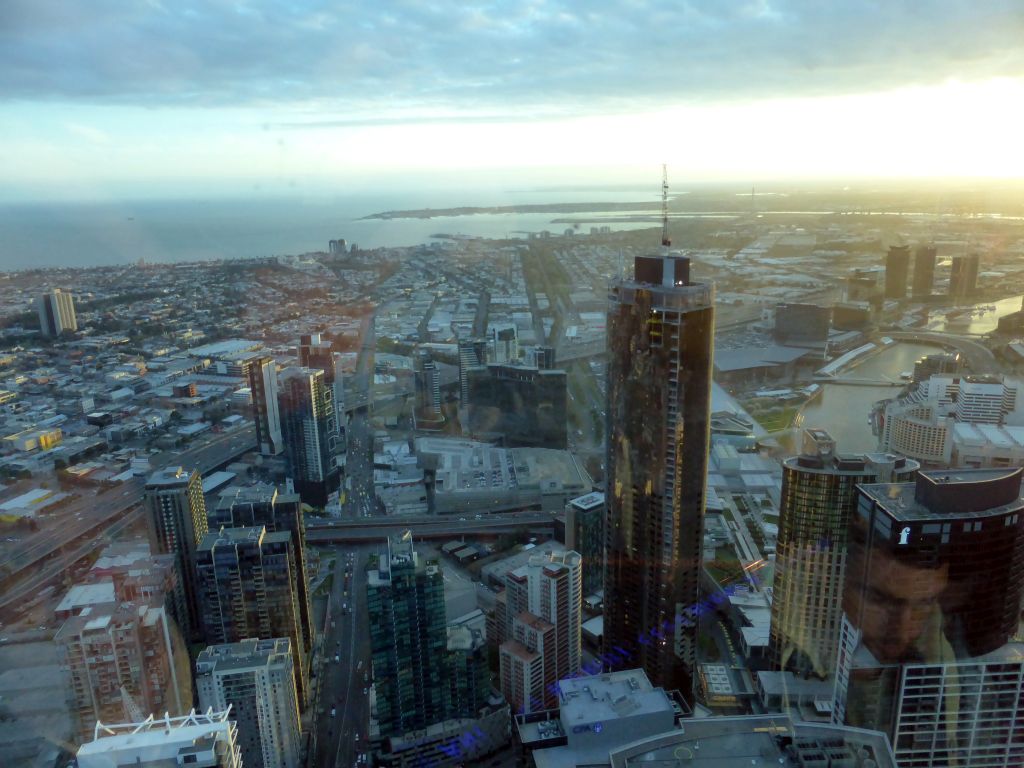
x,y
361,501
343,671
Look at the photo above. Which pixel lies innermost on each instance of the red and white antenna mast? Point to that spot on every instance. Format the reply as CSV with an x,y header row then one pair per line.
x,y
666,241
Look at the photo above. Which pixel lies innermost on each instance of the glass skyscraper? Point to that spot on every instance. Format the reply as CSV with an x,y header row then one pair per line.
x,y
819,494
660,334
930,650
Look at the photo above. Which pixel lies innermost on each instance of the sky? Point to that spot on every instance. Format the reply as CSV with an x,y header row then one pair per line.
x,y
114,97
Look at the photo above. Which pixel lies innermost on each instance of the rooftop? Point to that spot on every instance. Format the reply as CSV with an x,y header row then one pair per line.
x,y
169,476
757,740
152,739
245,654
588,501
608,696
959,493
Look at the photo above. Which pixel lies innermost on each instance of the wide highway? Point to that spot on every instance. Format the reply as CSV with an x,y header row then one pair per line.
x,y
89,514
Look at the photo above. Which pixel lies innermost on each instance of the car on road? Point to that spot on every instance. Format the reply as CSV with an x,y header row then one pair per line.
x,y
366,691
333,711
337,659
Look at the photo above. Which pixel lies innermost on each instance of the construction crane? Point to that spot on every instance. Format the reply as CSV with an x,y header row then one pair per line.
x,y
666,241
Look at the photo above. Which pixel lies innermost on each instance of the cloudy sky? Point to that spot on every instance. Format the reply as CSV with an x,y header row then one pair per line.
x,y
105,96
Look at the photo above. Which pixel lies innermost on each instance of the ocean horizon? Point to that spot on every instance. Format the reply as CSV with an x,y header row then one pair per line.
x,y
88,234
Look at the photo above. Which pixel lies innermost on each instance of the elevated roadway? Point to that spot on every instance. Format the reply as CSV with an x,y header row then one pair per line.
x,y
77,532
425,527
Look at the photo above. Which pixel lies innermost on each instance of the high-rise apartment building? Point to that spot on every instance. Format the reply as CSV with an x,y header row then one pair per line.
x,y
984,399
428,387
317,352
819,495
521,406
584,533
56,313
503,340
120,660
924,270
177,523
472,354
929,652
660,335
963,276
263,505
543,609
247,580
256,678
263,385
194,741
309,425
408,638
897,266
469,676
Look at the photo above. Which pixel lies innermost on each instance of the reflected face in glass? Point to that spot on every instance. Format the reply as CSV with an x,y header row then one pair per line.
x,y
897,602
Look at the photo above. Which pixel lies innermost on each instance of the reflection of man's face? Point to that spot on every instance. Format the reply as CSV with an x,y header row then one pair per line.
x,y
898,602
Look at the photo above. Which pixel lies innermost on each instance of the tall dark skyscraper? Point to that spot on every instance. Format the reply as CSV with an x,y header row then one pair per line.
x,y
963,276
247,587
309,426
897,266
316,352
177,523
409,642
930,651
924,270
660,335
819,495
263,505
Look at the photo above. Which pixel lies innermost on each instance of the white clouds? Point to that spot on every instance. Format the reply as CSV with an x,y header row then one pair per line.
x,y
120,91
504,56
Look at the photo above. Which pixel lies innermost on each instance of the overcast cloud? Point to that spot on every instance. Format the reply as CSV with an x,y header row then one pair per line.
x,y
496,59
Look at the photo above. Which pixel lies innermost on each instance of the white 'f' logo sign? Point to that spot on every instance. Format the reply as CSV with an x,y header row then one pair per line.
x,y
904,535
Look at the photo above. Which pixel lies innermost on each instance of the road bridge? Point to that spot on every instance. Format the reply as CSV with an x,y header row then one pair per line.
x,y
426,527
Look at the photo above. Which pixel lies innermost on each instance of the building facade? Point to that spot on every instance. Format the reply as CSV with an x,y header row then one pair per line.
x,y
263,385
924,270
256,679
931,604
819,495
176,517
309,426
543,611
56,313
120,660
802,323
660,335
963,276
408,638
247,580
584,533
897,266
523,406
264,505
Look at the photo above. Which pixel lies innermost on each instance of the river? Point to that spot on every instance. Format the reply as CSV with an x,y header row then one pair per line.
x,y
843,410
983,318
